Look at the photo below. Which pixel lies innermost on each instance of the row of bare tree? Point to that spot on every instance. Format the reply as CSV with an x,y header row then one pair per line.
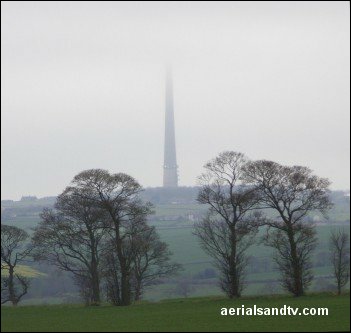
x,y
239,194
98,231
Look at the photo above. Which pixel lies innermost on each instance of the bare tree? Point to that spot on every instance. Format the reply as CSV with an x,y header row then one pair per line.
x,y
305,242
14,250
229,228
340,257
118,196
151,260
71,238
292,192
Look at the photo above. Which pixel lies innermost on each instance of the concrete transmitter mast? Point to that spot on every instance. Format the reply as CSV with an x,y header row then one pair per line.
x,y
170,167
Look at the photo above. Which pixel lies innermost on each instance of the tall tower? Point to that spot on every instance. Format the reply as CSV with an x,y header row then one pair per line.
x,y
170,167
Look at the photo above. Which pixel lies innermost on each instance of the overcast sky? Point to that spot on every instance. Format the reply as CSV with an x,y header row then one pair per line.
x,y
83,87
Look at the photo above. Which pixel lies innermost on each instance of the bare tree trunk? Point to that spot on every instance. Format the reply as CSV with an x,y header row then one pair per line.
x,y
125,275
125,284
339,288
338,278
233,272
95,287
113,282
298,285
138,290
339,247
11,287
94,272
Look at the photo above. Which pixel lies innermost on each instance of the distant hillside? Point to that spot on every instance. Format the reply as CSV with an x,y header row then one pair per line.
x,y
168,203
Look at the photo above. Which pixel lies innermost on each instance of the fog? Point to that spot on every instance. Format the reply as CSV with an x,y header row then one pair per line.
x,y
83,87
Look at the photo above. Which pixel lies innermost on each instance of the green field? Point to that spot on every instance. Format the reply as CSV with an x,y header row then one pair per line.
x,y
24,270
197,314
174,227
186,248
187,251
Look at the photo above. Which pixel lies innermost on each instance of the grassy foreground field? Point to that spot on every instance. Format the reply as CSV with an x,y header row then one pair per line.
x,y
197,314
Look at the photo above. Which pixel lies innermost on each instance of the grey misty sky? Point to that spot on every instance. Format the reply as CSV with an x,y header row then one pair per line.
x,y
83,87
